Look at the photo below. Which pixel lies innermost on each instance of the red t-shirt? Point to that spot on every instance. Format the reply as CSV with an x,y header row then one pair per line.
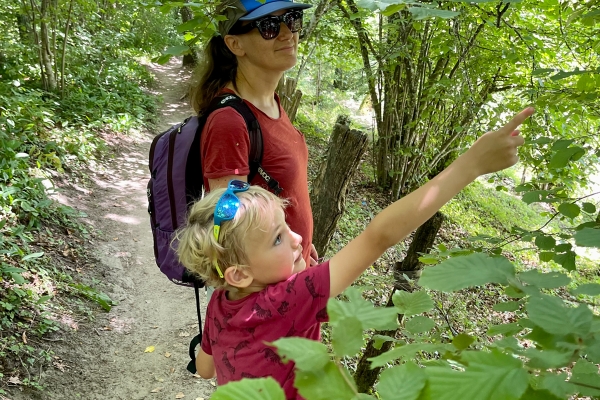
x,y
225,148
235,331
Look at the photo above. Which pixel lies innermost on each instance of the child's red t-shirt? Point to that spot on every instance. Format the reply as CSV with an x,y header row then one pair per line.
x,y
235,332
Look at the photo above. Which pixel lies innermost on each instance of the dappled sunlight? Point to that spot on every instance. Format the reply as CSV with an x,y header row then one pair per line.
x,y
123,219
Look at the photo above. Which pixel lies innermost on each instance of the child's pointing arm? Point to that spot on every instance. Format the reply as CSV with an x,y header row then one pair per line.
x,y
492,152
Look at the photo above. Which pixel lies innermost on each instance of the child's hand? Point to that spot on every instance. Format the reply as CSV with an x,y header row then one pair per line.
x,y
497,150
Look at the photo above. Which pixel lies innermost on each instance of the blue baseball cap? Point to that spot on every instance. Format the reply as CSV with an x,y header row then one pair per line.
x,y
250,10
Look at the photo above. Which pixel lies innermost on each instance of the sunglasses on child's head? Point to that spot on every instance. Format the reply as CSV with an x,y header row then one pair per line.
x,y
269,26
226,208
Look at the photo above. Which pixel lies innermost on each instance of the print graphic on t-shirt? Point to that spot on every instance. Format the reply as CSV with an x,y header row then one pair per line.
x,y
283,308
228,365
310,285
271,355
292,330
291,284
242,345
261,312
250,331
226,319
218,325
322,315
248,375
213,342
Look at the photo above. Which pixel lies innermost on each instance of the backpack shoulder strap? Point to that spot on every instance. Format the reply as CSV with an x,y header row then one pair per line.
x,y
254,131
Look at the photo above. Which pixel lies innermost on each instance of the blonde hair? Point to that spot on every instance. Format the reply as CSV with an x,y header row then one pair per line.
x,y
198,249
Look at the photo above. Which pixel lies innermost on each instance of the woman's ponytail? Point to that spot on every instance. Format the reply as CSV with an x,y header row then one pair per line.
x,y
217,69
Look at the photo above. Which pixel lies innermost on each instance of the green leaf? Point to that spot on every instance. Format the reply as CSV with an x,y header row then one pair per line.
x,y
177,50
544,359
19,280
488,376
548,280
507,306
566,260
419,324
588,237
43,299
407,351
401,382
545,242
532,394
379,340
250,389
32,256
306,353
101,298
534,196
557,385
424,12
8,270
462,341
371,317
363,396
504,329
551,314
412,303
462,272
324,384
589,208
569,210
588,289
546,256
584,375
561,158
347,337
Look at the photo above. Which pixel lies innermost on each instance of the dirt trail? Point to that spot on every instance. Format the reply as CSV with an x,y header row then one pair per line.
x,y
106,359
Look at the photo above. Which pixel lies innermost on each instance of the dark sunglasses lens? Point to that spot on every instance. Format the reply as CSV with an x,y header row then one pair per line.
x,y
293,20
227,207
238,185
269,28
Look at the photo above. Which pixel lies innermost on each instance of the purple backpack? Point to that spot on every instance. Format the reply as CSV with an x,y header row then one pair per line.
x,y
176,181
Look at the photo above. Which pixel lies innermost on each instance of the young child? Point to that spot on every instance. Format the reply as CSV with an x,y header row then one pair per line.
x,y
237,240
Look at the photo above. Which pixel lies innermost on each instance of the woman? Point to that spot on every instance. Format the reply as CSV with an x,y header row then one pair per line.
x,y
256,44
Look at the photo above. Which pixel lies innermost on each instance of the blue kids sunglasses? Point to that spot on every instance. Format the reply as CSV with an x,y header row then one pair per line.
x,y
226,208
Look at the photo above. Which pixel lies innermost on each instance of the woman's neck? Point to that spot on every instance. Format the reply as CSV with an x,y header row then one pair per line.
x,y
258,88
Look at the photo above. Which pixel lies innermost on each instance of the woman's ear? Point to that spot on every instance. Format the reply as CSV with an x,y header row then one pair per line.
x,y
238,277
234,45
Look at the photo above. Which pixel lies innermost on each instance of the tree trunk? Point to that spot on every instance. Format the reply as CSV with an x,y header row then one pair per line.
x,y
46,48
346,147
423,240
24,27
289,97
190,59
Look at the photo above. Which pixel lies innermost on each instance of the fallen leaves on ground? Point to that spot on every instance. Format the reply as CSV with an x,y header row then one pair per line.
x,y
149,349
179,395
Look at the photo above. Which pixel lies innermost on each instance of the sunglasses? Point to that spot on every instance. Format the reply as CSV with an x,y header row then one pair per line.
x,y
269,26
226,208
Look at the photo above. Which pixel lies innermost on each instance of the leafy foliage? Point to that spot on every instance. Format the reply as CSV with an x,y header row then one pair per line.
x,y
47,128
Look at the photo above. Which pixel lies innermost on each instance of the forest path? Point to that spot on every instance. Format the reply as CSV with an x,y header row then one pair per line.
x,y
106,359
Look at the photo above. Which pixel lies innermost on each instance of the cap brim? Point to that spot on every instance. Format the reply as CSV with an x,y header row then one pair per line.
x,y
272,7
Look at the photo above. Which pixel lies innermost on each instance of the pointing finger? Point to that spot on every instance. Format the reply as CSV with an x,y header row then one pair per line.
x,y
517,120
